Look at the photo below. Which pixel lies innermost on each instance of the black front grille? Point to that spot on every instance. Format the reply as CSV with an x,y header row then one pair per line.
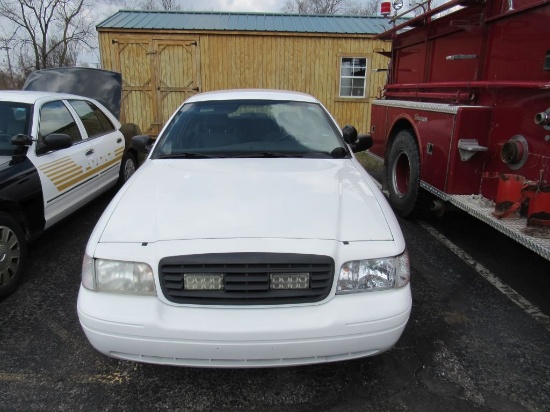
x,y
246,278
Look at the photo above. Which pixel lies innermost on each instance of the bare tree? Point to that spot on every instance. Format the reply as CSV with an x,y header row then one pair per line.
x,y
365,8
169,5
149,4
315,6
354,7
46,33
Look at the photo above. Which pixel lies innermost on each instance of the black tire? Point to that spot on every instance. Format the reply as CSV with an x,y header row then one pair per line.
x,y
403,174
13,254
128,167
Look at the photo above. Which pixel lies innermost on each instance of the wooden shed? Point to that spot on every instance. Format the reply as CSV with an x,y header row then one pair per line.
x,y
165,57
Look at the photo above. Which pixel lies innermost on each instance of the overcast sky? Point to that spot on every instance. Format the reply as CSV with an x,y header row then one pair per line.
x,y
270,6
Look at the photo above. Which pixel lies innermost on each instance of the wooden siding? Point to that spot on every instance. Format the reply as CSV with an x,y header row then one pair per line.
x,y
306,63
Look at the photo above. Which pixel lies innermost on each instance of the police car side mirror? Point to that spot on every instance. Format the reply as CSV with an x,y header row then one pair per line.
x,y
142,143
21,140
57,141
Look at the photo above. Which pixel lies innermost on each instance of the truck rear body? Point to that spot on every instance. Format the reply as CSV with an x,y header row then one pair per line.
x,y
472,88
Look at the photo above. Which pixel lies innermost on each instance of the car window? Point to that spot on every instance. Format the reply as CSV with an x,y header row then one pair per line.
x,y
14,119
95,121
56,118
248,127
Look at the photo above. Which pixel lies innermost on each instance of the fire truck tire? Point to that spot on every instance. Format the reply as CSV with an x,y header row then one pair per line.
x,y
13,251
403,174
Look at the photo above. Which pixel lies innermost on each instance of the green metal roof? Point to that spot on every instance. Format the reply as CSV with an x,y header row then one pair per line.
x,y
256,22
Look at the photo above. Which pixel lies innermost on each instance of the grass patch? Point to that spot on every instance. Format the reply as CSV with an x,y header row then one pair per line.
x,y
369,162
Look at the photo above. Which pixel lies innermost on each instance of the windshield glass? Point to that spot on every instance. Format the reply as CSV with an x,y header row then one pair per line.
x,y
251,128
14,119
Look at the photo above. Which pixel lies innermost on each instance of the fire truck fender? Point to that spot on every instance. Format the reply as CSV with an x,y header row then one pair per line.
x,y
402,122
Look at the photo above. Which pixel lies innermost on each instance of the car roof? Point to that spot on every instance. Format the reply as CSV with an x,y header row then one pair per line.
x,y
31,97
252,94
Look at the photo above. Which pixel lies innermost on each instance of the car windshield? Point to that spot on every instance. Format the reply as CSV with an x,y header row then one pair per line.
x,y
14,119
251,128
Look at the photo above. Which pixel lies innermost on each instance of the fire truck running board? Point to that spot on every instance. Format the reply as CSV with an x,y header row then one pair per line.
x,y
515,228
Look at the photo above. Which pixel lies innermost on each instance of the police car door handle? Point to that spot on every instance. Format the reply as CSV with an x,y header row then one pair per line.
x,y
89,152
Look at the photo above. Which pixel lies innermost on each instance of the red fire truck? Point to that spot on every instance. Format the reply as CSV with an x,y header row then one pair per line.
x,y
465,115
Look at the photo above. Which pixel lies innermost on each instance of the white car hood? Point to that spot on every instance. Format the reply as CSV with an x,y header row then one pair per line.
x,y
176,199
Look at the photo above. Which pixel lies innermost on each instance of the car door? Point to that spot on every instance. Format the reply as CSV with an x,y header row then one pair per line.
x,y
67,175
106,140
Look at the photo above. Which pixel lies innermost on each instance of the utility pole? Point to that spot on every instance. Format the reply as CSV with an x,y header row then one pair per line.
x,y
10,70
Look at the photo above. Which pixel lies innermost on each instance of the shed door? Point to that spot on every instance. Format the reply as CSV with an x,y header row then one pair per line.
x,y
157,76
177,70
134,63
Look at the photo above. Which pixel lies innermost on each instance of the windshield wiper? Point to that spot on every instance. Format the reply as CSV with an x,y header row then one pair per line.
x,y
190,155
268,154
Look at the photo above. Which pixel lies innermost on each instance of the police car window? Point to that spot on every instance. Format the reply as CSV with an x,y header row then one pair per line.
x,y
14,119
56,118
94,120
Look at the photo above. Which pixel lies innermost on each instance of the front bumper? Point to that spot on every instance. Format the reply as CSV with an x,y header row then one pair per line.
x,y
145,329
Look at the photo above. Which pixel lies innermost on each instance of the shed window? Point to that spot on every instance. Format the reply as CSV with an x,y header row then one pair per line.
x,y
353,76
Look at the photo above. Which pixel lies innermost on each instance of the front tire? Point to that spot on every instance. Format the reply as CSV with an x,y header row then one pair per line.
x,y
13,254
403,174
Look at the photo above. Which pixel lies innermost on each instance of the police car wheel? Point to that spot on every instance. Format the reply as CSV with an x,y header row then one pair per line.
x,y
13,254
127,168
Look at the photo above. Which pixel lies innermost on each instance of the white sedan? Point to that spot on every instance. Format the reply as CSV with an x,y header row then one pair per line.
x,y
250,237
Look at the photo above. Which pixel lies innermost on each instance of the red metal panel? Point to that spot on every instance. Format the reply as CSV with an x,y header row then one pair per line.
x,y
409,64
378,129
435,133
464,177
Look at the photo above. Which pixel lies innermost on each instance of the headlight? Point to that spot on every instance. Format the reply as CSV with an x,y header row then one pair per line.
x,y
116,276
374,274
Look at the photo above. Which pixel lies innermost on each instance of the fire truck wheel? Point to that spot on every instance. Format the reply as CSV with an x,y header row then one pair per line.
x,y
403,173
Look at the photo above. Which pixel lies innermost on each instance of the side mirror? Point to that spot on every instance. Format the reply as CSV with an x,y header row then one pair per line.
x,y
357,142
21,140
363,142
142,143
57,141
350,134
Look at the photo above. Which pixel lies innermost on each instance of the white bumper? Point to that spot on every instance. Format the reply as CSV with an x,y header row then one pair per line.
x,y
147,329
